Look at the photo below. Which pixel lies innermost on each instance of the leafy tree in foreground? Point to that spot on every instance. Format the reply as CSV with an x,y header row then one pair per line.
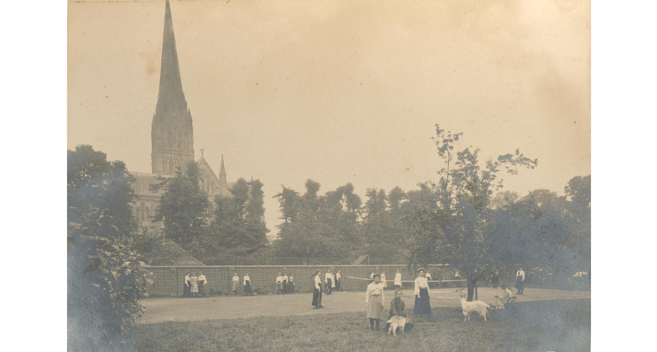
x,y
106,277
453,229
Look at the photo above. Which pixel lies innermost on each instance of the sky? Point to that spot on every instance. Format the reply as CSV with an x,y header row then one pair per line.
x,y
340,91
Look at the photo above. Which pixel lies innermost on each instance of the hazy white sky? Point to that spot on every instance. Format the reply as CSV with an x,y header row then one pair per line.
x,y
340,91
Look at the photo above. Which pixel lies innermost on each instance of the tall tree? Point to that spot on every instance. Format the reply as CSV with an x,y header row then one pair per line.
x,y
452,229
93,182
239,227
106,278
183,206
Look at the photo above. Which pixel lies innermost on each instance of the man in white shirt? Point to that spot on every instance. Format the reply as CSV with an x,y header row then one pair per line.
x,y
520,281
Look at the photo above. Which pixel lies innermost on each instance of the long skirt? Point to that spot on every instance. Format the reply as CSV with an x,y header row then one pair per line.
x,y
285,286
422,305
337,284
247,289
317,297
329,286
235,286
375,308
291,287
201,288
194,287
186,291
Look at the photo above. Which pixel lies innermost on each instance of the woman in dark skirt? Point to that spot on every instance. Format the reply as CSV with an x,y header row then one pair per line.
x,y
317,291
422,305
247,285
186,286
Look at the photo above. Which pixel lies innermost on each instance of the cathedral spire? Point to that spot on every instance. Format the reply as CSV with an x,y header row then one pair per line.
x,y
172,132
171,99
222,171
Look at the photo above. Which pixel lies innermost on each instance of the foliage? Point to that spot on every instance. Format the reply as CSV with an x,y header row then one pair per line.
x,y
183,206
239,228
106,277
453,229
319,226
93,183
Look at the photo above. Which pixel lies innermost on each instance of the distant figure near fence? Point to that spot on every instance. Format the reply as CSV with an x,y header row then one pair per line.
x,y
248,291
329,281
317,291
202,284
338,280
520,281
398,280
279,284
186,286
194,285
236,283
285,283
291,284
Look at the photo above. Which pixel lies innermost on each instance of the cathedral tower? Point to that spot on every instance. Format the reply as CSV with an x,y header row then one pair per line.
x,y
172,133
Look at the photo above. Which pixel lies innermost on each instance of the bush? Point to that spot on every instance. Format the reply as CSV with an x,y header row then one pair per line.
x,y
106,280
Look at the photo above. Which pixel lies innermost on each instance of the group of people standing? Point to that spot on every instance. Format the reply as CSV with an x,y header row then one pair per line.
x,y
194,286
248,290
284,283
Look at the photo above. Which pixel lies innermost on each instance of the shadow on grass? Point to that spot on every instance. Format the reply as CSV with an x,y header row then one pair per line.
x,y
530,326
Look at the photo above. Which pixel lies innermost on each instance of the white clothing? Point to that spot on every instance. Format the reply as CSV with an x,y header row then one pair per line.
x,y
429,276
318,282
398,280
246,278
520,273
337,276
236,279
202,278
329,276
383,280
421,282
284,277
187,280
375,290
279,279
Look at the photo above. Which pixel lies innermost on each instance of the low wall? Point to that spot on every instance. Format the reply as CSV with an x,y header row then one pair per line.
x,y
168,280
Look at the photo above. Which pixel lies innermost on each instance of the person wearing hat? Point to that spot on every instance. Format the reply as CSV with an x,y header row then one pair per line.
x,y
422,305
317,291
375,300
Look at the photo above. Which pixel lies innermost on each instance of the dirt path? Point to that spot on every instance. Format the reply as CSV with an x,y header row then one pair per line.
x,y
233,307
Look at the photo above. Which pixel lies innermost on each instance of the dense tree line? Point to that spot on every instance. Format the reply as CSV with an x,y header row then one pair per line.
x,y
464,219
236,227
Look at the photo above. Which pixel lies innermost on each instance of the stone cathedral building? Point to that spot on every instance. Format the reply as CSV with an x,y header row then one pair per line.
x,y
172,137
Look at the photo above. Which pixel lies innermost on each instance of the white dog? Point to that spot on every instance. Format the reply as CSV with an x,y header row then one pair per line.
x,y
396,322
476,306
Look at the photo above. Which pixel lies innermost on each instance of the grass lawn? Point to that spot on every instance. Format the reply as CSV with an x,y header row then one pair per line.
x,y
560,325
